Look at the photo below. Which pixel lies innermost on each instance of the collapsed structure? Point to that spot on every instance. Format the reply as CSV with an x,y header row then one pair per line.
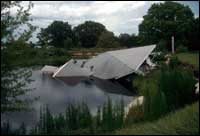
x,y
109,65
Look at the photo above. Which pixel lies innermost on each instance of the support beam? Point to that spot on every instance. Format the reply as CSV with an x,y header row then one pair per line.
x,y
173,44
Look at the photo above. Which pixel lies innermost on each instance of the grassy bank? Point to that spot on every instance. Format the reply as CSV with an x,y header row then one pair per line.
x,y
25,56
184,121
189,58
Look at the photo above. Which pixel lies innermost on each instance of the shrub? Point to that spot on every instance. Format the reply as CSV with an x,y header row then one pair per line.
x,y
178,86
174,62
159,57
166,90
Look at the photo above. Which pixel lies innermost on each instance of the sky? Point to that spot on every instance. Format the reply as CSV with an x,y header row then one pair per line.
x,y
116,16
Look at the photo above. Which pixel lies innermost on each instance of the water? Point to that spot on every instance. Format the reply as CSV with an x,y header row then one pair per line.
x,y
57,93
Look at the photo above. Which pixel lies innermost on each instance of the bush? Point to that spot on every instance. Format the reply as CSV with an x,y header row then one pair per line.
x,y
174,62
159,57
166,90
178,86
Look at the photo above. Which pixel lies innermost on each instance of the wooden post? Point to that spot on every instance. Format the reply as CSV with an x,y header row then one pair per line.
x,y
173,44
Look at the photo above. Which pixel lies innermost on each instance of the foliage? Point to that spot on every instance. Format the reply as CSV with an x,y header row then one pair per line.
x,y
77,119
6,129
10,23
166,90
13,81
107,40
161,46
45,56
194,35
57,34
182,122
173,63
178,86
164,20
128,40
87,34
159,57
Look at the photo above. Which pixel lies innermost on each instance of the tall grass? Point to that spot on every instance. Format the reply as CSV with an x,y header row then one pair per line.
x,y
165,90
182,122
77,119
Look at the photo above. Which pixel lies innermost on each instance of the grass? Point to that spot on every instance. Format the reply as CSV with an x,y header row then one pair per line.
x,y
141,82
189,58
182,122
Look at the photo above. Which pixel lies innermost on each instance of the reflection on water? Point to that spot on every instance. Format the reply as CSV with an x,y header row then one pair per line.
x,y
58,92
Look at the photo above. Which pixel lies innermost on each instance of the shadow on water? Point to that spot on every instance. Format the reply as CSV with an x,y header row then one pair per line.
x,y
110,86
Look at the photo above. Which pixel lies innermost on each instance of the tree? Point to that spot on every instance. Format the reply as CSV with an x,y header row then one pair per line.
x,y
56,34
128,40
194,35
107,40
164,20
13,81
88,33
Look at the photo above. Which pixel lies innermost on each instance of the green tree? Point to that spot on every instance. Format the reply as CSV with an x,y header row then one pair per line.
x,y
128,40
13,80
87,34
107,40
56,34
193,35
164,20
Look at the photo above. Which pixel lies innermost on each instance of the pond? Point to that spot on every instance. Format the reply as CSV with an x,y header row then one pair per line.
x,y
57,93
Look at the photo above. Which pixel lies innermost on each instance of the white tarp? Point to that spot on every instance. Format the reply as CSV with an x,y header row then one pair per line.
x,y
108,65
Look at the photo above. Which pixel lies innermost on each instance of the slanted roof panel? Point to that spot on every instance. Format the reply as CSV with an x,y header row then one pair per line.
x,y
107,67
133,57
71,69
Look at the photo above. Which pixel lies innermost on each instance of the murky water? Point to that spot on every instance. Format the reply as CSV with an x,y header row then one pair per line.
x,y
57,93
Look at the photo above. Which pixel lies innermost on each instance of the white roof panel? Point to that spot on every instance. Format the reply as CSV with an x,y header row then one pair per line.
x,y
116,64
108,65
72,69
133,57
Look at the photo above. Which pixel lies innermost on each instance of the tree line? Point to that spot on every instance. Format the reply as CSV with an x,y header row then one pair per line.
x,y
162,21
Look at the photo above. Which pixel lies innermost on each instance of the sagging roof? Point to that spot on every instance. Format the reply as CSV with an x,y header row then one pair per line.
x,y
108,65
116,64
72,68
